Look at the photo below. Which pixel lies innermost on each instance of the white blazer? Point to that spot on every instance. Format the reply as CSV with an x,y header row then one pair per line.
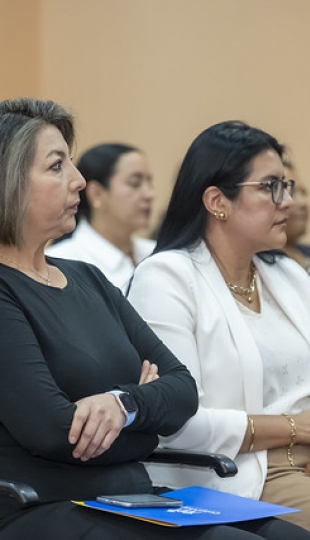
x,y
89,246
184,298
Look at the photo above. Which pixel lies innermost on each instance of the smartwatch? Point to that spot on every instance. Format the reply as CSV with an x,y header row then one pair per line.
x,y
127,404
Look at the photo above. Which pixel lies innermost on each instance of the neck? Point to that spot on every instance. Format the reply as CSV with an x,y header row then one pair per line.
x,y
33,266
233,264
25,255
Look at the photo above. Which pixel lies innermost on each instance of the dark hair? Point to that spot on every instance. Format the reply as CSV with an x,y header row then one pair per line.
x,y
99,163
21,120
220,156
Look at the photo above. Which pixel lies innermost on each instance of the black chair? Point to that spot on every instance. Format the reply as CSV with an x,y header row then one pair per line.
x,y
26,496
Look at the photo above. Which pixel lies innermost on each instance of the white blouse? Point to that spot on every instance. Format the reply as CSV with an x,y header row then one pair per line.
x,y
284,352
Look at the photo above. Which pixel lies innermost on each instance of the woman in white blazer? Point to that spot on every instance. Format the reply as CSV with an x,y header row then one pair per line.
x,y
219,293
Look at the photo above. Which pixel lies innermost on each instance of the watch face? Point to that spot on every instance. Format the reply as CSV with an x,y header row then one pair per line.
x,y
129,402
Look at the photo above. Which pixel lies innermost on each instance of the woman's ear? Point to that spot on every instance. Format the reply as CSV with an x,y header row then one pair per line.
x,y
93,192
214,200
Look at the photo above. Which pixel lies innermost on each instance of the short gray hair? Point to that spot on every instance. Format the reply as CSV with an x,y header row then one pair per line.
x,y
20,122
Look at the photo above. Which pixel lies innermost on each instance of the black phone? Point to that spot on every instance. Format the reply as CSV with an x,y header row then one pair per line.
x,y
136,500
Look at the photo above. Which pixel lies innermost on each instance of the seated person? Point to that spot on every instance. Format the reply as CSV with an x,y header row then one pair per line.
x,y
86,387
297,222
238,319
115,204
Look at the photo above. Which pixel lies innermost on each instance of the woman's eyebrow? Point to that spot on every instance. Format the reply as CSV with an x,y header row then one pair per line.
x,y
272,177
56,152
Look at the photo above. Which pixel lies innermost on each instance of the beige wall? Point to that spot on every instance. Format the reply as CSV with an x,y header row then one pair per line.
x,y
19,51
156,72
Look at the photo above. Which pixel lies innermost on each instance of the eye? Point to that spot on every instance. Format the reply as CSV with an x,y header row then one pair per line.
x,y
57,165
135,182
267,186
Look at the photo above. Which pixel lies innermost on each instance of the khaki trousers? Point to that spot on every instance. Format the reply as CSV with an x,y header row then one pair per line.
x,y
287,485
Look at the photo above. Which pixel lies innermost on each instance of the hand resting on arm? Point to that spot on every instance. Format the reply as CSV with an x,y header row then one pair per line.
x,y
98,420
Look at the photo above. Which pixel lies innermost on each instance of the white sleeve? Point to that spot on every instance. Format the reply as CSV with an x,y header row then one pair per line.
x,y
163,292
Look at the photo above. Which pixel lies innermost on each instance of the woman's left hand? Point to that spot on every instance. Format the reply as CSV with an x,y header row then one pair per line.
x,y
149,372
96,424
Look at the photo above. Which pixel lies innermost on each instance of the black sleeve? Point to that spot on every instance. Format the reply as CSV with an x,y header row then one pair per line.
x,y
33,409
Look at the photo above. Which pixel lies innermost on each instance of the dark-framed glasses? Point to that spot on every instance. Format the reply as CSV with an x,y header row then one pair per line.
x,y
276,188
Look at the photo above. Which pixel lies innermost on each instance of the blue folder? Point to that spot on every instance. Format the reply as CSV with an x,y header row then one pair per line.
x,y
201,506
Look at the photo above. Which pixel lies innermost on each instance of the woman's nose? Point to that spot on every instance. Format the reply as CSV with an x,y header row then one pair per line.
x,y
287,199
149,192
78,182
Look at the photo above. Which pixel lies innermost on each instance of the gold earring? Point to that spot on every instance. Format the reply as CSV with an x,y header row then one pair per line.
x,y
222,216
215,214
97,204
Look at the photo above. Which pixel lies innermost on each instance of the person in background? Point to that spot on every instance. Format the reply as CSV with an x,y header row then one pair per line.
x,y
86,387
236,314
297,223
115,204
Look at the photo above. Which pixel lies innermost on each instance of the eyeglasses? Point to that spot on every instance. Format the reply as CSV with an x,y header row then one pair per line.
x,y
276,187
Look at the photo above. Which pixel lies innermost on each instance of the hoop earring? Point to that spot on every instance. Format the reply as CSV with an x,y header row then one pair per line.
x,y
222,216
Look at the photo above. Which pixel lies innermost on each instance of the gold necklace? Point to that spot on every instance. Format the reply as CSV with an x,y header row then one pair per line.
x,y
247,292
47,279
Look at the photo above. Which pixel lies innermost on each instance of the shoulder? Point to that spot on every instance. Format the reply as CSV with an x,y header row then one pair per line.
x,y
165,271
187,259
171,259
143,247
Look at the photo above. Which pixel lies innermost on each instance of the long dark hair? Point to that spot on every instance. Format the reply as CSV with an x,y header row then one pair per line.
x,y
220,156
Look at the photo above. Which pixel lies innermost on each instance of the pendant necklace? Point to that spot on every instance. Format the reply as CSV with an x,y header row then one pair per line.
x,y
246,292
47,280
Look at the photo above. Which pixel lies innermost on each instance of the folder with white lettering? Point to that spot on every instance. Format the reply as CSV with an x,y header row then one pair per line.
x,y
201,506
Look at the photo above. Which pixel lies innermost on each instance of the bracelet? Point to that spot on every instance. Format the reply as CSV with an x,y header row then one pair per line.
x,y
252,431
291,422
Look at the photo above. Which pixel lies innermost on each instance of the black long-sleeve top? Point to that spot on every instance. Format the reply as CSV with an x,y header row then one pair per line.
x,y
60,345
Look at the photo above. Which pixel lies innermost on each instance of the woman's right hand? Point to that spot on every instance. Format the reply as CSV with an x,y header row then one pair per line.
x,y
96,424
98,420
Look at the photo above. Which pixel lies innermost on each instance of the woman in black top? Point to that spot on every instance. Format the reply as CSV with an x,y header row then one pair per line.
x,y
85,386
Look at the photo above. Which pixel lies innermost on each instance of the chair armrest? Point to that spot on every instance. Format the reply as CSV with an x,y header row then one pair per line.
x,y
22,493
223,465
